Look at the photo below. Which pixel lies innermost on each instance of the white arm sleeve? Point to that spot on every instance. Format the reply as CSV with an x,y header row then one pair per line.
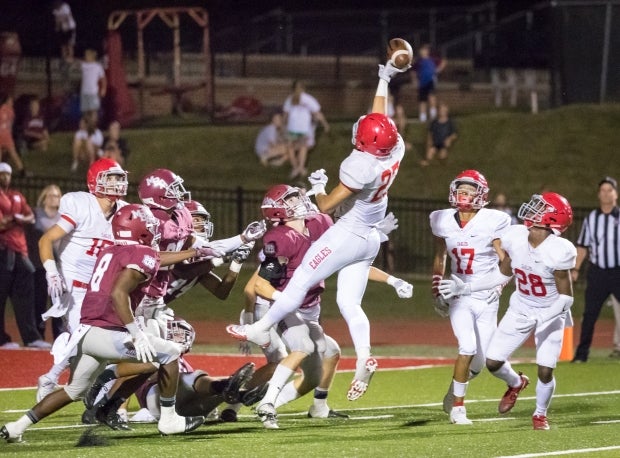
x,y
489,281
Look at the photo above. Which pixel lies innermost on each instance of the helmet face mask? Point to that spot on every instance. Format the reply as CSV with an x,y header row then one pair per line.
x,y
201,219
162,189
469,191
286,203
548,211
135,224
375,134
106,178
181,332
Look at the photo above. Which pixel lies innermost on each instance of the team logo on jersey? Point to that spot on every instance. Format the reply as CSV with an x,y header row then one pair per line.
x,y
156,182
318,259
270,249
149,261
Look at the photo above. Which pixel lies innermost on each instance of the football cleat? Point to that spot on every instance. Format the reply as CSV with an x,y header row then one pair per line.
x,y
540,422
112,420
458,416
12,437
510,396
92,393
250,397
143,416
89,416
365,369
45,386
176,424
324,412
236,381
267,414
247,332
448,399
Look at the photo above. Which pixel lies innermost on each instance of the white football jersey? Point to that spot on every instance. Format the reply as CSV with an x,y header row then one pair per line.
x,y
371,176
533,268
470,248
88,232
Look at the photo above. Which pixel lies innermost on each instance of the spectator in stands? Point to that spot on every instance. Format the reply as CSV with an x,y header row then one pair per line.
x,y
7,144
16,270
64,25
442,133
87,143
500,203
114,145
94,83
427,68
302,113
33,134
272,146
46,215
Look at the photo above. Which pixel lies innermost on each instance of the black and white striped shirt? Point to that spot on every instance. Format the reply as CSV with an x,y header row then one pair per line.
x,y
600,234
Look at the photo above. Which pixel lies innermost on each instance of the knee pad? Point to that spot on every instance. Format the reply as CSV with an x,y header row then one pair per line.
x,y
332,348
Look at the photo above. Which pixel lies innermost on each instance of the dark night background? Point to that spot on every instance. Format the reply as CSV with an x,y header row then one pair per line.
x,y
33,21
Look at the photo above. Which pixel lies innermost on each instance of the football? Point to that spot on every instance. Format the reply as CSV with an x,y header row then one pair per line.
x,y
400,53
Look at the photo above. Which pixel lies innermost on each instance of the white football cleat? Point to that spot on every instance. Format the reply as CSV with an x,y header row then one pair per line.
x,y
250,333
10,433
143,416
458,416
267,414
176,424
365,368
324,412
448,399
45,386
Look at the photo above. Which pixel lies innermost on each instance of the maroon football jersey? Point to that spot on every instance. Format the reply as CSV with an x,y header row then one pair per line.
x,y
98,308
183,277
285,242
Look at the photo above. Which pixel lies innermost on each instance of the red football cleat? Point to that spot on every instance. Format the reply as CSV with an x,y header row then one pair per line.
x,y
540,422
510,396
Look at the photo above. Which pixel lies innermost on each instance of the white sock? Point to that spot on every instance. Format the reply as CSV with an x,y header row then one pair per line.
x,y
278,380
544,392
508,375
460,389
23,423
167,413
287,394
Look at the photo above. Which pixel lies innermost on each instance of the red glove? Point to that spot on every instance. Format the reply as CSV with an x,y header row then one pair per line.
x,y
435,284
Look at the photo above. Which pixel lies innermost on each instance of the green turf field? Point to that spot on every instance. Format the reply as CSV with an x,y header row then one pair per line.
x,y
400,416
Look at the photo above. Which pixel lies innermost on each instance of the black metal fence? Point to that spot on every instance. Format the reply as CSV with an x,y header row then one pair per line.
x,y
232,209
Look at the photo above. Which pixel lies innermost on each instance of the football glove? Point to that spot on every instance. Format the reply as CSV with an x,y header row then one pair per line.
x,y
441,307
56,285
318,180
241,254
388,224
435,284
254,231
494,294
144,349
454,287
403,289
387,71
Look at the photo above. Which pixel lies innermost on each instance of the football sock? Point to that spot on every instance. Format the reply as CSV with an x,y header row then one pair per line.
x,y
278,381
508,375
460,389
288,394
544,392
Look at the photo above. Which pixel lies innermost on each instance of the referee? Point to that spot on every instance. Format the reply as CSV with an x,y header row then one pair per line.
x,y
599,241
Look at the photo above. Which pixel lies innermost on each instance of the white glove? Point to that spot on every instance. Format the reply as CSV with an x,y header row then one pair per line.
x,y
403,289
254,231
144,349
208,252
454,287
56,285
318,180
494,294
441,307
388,224
245,348
241,254
387,71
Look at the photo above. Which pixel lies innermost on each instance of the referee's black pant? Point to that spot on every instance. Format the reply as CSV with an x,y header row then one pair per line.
x,y
600,284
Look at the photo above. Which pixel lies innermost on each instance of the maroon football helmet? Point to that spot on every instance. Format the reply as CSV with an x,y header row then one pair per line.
x,y
106,178
284,203
162,189
549,210
135,224
181,332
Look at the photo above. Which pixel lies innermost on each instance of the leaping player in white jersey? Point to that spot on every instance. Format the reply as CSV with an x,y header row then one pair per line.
x,y
359,202
469,235
83,230
540,261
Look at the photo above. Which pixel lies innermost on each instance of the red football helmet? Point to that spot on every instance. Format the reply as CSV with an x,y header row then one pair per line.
x,y
466,201
201,219
163,189
135,224
106,178
549,210
375,134
181,332
284,203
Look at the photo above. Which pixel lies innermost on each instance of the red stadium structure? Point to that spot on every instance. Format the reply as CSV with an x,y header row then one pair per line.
x,y
121,104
